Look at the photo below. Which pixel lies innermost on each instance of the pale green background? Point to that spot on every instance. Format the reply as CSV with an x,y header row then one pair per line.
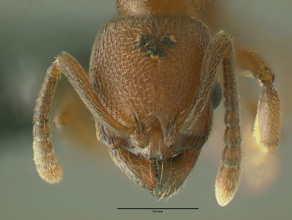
x,y
33,32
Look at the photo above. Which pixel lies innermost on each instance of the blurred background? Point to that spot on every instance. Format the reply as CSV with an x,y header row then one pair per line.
x,y
33,32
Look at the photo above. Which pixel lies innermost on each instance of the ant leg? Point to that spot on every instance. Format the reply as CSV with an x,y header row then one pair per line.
x,y
220,48
45,159
268,123
66,113
228,176
74,121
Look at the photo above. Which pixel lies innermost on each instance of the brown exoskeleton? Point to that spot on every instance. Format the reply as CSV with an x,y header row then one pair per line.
x,y
152,88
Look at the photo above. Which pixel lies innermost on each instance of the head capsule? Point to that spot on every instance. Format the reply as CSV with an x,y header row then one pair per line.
x,y
146,70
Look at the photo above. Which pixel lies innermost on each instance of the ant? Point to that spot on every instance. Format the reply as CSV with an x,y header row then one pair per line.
x,y
152,89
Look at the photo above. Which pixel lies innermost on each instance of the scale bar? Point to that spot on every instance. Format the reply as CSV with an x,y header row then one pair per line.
x,y
157,208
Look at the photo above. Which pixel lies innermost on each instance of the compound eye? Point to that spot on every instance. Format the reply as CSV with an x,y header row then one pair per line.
x,y
217,95
168,40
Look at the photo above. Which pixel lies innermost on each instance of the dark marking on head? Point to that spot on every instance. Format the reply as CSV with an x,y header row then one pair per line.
x,y
154,50
142,40
168,40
